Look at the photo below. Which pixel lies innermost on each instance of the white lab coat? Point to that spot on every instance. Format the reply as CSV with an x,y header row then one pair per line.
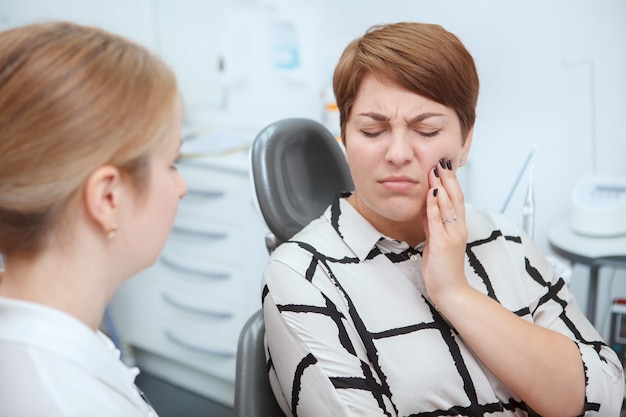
x,y
53,365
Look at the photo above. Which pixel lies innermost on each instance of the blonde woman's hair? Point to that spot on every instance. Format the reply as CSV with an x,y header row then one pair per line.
x,y
423,58
72,98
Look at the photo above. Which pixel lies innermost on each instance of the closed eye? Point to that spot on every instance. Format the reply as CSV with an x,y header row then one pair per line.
x,y
372,134
429,134
179,158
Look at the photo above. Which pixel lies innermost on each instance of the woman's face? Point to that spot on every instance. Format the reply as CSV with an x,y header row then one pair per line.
x,y
155,207
394,137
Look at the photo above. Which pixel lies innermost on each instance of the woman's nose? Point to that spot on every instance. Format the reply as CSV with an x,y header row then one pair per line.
x,y
182,187
399,151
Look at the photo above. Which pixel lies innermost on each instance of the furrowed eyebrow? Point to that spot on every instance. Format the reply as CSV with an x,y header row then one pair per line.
x,y
423,116
376,116
420,117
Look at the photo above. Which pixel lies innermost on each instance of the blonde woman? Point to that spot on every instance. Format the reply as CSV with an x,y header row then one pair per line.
x,y
89,133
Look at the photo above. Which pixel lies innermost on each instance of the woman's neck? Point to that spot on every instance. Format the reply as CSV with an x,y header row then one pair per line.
x,y
57,282
410,232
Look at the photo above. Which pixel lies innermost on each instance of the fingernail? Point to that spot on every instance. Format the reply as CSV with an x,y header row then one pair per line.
x,y
449,164
442,163
435,192
436,173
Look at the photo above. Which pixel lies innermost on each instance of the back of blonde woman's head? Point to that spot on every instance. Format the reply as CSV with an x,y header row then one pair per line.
x,y
72,98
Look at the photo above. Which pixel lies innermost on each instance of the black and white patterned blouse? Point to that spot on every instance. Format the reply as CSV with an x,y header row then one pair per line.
x,y
350,331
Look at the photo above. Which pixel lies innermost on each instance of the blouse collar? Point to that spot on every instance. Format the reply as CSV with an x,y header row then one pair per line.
x,y
358,233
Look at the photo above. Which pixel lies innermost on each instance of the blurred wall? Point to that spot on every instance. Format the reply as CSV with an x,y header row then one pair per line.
x,y
553,76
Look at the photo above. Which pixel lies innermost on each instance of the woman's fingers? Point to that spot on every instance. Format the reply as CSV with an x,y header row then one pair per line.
x,y
446,196
446,232
449,181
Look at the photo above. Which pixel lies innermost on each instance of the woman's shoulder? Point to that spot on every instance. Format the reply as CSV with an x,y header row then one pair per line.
x,y
317,237
480,221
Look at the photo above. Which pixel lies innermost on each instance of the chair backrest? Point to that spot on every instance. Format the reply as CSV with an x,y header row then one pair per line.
x,y
253,394
297,168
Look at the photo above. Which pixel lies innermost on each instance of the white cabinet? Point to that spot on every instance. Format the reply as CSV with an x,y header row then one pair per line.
x,y
181,318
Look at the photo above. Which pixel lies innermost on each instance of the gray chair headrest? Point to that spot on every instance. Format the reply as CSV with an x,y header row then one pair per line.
x,y
298,168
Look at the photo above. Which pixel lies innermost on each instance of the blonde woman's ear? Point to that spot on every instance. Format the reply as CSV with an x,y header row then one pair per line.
x,y
102,197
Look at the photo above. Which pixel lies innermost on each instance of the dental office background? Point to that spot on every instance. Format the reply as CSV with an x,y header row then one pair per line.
x,y
553,82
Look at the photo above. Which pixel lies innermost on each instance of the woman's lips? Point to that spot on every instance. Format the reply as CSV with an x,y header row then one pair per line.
x,y
398,183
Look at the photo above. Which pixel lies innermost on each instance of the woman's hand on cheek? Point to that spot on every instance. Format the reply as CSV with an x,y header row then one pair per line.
x,y
446,235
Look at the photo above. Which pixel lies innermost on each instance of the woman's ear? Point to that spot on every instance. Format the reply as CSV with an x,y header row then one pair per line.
x,y
465,148
103,191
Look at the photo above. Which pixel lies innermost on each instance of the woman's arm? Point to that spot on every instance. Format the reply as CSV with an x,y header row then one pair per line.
x,y
543,366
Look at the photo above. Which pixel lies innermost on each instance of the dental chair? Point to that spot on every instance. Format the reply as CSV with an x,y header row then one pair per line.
x,y
297,168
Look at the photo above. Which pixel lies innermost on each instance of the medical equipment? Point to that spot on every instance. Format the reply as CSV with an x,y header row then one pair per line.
x,y
599,206
617,336
528,219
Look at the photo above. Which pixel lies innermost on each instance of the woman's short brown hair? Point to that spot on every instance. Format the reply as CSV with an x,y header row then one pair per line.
x,y
423,58
72,98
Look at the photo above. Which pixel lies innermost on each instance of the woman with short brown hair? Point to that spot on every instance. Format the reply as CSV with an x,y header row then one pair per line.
x,y
400,300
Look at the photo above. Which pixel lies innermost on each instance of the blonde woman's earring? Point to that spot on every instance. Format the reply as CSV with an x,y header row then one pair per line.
x,y
111,233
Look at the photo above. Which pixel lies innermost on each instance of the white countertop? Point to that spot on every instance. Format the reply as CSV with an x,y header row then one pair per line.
x,y
562,236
